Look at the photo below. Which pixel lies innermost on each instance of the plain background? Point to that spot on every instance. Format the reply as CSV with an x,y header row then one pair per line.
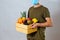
x,y
10,11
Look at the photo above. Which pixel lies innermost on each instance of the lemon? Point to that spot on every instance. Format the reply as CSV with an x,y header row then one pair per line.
x,y
34,20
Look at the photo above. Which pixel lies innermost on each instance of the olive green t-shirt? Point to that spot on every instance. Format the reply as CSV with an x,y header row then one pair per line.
x,y
40,13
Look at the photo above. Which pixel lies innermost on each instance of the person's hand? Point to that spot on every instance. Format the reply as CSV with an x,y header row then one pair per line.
x,y
34,25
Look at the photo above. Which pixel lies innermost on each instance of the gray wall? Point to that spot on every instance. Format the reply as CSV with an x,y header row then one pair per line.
x,y
10,11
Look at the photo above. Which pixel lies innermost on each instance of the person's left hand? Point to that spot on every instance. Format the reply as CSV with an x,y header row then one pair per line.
x,y
34,25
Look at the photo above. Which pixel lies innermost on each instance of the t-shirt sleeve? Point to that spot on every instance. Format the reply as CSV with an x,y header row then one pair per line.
x,y
46,13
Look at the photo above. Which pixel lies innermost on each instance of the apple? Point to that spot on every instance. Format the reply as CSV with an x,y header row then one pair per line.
x,y
29,19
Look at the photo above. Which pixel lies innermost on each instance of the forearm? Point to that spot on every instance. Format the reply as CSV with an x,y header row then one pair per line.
x,y
45,24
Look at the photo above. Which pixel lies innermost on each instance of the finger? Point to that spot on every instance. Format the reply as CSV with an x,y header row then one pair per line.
x,y
33,26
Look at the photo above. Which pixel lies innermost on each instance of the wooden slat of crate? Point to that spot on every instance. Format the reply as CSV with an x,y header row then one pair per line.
x,y
26,31
25,28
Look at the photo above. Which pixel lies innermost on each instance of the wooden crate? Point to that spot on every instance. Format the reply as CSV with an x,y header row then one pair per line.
x,y
25,28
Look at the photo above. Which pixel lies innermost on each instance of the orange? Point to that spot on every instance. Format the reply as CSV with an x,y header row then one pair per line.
x,y
20,20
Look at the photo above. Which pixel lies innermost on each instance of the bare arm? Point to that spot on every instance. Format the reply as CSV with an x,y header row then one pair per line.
x,y
48,23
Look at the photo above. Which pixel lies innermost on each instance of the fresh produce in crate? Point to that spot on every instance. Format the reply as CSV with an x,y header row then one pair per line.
x,y
23,23
27,21
23,18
